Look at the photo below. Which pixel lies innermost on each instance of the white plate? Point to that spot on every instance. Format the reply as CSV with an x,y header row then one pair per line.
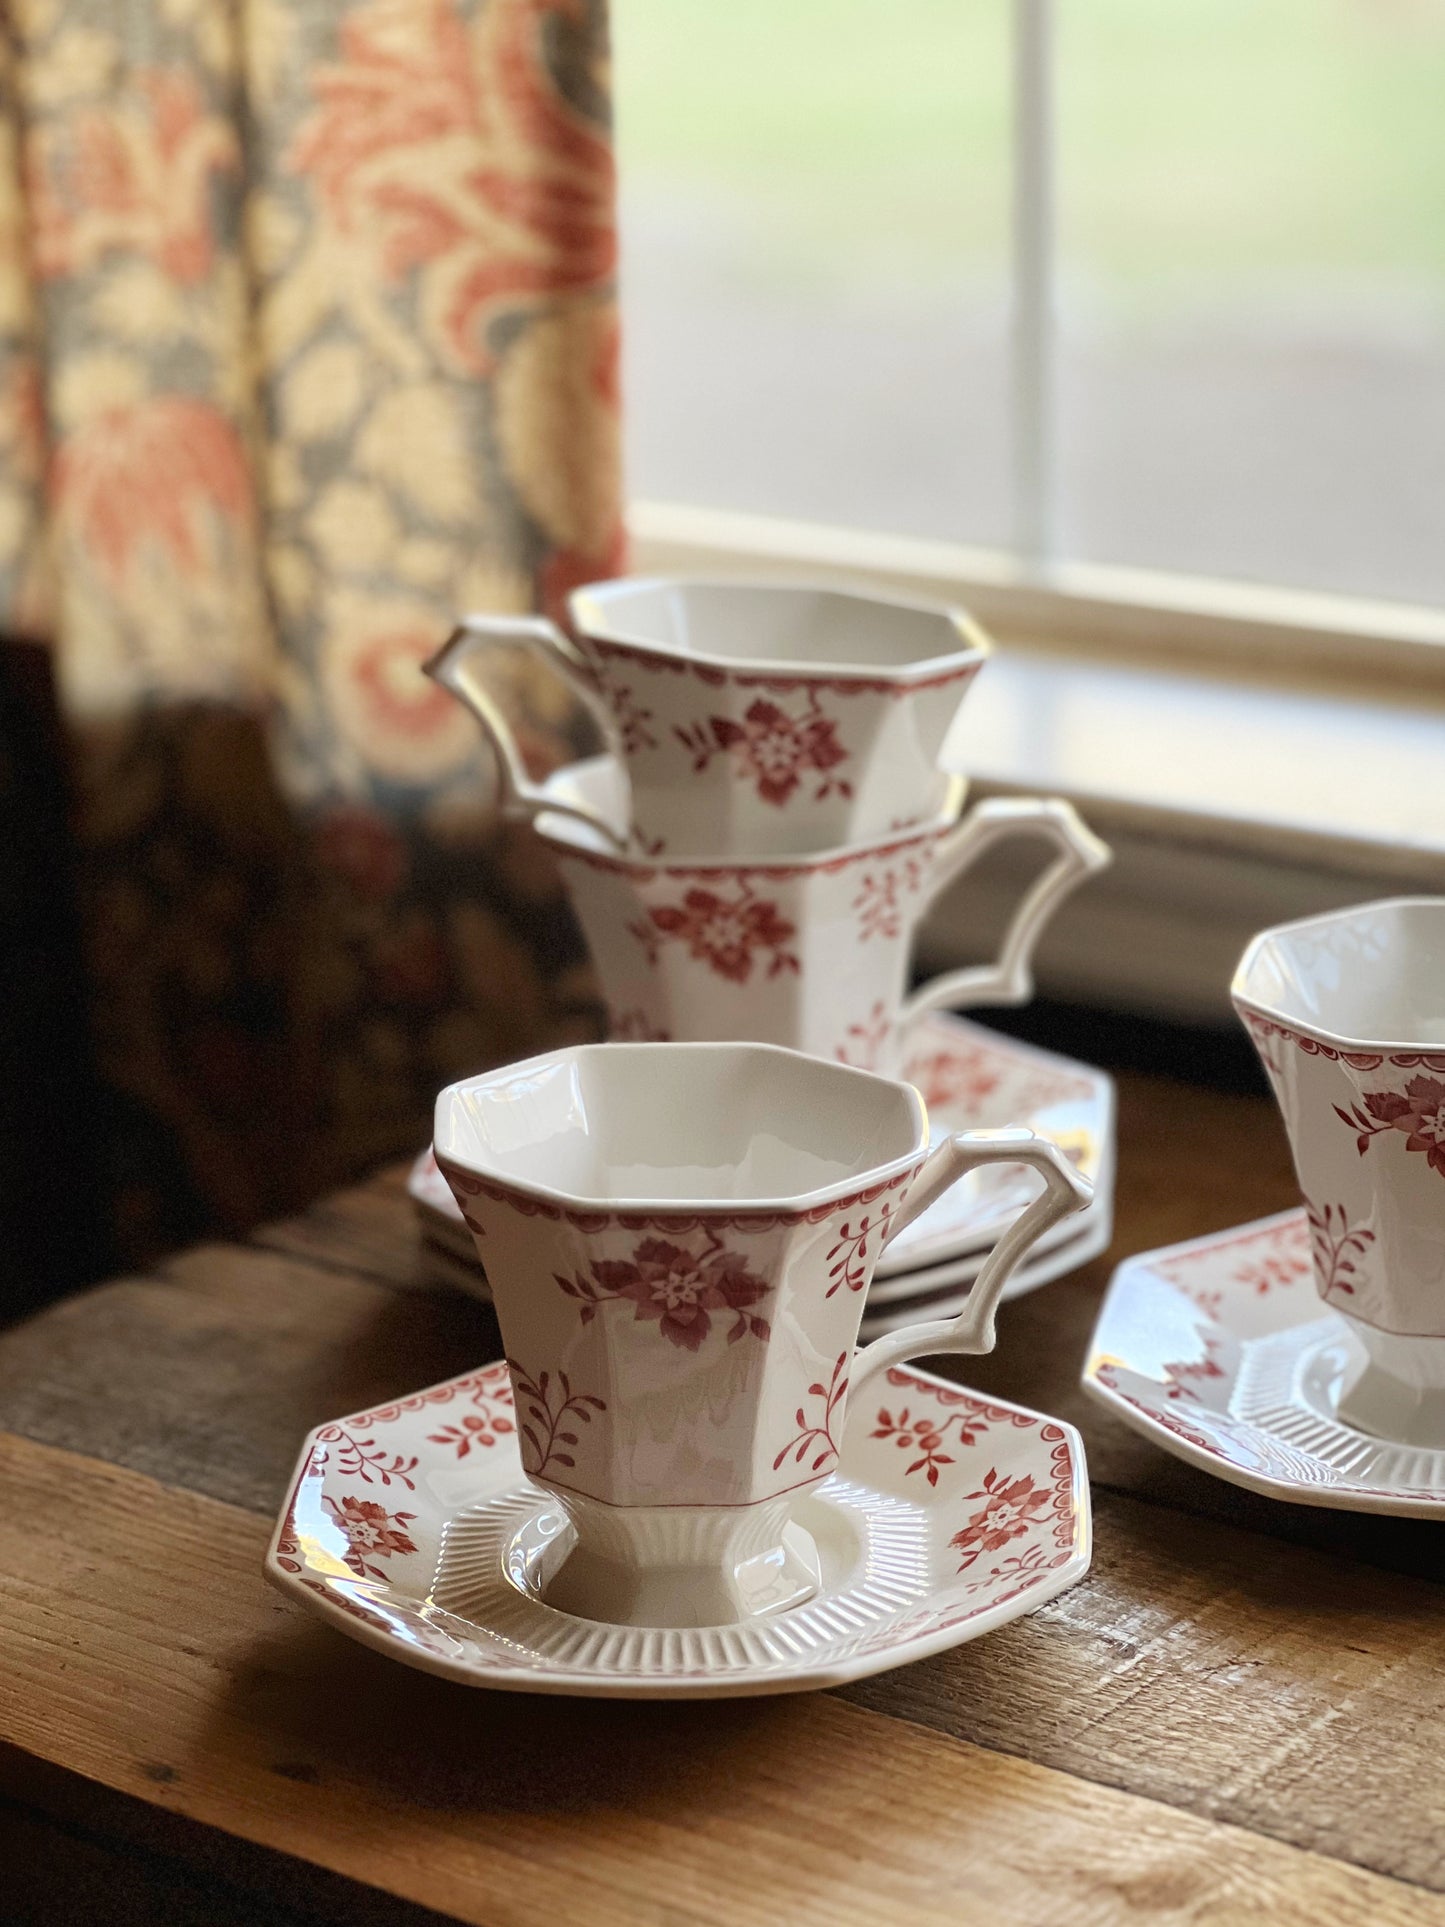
x,y
413,1529
1221,1351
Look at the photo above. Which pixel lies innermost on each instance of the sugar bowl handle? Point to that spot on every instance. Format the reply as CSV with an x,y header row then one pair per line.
x,y
1065,1191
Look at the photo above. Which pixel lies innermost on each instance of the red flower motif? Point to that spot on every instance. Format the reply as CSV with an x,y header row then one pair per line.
x,y
153,475
1418,1112
1010,1508
482,1428
134,176
724,932
449,149
666,1282
371,1532
955,1076
775,748
866,1041
926,1436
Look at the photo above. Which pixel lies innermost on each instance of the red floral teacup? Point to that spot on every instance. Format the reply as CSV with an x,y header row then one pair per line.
x,y
812,952
758,718
1347,1012
679,1239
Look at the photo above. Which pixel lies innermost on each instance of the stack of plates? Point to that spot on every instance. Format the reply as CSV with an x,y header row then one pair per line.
x,y
971,1079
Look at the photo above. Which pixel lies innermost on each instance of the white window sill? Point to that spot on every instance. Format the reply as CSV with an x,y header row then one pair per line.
x,y
1229,804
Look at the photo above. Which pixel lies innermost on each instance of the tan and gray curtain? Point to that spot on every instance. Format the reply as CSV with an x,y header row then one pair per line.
x,y
308,340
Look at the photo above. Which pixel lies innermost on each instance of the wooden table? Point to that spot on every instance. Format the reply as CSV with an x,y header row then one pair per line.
x,y
1238,1713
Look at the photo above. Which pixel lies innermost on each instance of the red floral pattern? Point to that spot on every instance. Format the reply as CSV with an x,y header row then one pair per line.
x,y
371,1532
164,478
1010,1507
131,177
881,902
923,1432
450,151
866,1039
678,1288
1417,1112
859,1244
1184,1375
1335,1248
491,1420
546,1410
814,1440
774,749
729,933
1274,1258
364,1459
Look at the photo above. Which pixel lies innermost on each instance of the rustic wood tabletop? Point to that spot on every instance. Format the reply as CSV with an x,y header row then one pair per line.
x,y
1236,1715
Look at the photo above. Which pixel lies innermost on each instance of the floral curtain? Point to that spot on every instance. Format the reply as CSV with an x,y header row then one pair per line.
x,y
308,341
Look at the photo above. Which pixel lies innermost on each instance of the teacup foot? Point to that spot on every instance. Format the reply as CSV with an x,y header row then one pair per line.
x,y
1394,1387
682,1566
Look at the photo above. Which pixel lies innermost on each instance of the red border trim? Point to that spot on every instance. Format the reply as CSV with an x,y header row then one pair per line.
x,y
684,1219
783,871
716,677
1357,1060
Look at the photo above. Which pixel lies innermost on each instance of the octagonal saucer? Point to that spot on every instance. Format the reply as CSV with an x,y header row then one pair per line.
x,y
413,1529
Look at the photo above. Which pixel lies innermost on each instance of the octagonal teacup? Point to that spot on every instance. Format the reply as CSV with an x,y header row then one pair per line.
x,y
679,1240
1347,1012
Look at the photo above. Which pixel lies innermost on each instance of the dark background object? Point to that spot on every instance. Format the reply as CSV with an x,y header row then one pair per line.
x,y
52,1220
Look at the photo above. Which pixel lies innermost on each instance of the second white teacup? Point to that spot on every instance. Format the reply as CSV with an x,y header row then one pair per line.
x,y
756,718
811,952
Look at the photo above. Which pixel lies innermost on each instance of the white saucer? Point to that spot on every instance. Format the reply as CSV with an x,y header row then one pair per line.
x,y
971,1079
975,1079
413,1529
1221,1351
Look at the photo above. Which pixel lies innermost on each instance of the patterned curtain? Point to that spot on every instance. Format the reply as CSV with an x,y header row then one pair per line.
x,y
307,342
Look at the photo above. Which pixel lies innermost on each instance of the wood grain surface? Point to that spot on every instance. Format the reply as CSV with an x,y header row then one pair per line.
x,y
146,1652
1238,1712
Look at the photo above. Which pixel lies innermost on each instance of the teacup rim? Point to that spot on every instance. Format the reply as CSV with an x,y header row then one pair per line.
x,y
573,838
975,645
797,1206
1320,1033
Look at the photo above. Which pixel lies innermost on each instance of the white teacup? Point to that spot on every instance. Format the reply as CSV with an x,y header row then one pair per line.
x,y
750,718
811,952
679,1239
1347,1012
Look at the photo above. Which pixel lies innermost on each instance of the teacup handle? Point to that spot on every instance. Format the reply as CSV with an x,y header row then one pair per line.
x,y
1065,1190
457,667
1009,979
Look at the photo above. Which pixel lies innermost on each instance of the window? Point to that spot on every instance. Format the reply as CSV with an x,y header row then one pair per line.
x,y
1108,284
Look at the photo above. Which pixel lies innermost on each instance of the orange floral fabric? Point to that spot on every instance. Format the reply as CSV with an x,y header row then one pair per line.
x,y
308,341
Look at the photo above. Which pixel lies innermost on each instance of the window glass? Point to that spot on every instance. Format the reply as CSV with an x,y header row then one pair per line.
x,y
814,265
1252,262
